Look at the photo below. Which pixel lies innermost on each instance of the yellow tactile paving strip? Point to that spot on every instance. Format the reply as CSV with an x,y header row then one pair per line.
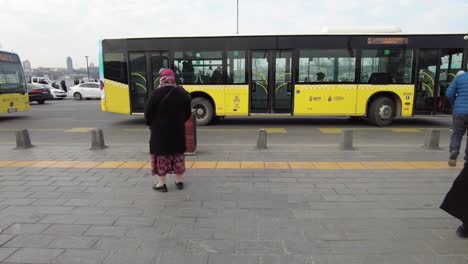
x,y
256,165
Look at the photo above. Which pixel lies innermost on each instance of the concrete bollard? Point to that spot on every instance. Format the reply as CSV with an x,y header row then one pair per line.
x,y
262,139
23,141
346,139
97,139
432,139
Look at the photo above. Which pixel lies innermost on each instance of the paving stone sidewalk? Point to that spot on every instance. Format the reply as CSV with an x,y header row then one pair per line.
x,y
76,215
67,215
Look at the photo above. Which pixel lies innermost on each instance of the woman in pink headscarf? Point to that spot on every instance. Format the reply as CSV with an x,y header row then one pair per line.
x,y
166,111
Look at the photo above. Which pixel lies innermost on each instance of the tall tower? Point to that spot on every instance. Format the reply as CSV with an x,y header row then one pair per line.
x,y
27,65
69,65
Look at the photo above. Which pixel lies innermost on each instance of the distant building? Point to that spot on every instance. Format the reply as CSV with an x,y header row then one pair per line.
x,y
27,66
69,65
91,65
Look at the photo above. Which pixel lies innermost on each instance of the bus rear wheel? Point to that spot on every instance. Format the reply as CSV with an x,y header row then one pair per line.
x,y
204,110
382,111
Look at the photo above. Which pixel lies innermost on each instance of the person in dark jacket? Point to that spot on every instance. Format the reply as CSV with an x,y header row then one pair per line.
x,y
63,85
457,95
455,202
166,111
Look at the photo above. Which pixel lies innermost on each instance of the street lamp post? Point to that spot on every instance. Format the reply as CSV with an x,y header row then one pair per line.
x,y
87,68
237,31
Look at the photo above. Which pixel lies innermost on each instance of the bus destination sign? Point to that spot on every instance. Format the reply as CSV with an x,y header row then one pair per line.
x,y
6,57
387,41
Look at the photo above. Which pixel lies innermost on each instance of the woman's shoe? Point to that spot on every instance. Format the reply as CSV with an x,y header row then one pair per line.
x,y
180,185
162,188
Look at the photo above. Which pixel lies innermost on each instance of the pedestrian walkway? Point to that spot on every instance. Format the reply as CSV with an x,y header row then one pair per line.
x,y
268,165
72,205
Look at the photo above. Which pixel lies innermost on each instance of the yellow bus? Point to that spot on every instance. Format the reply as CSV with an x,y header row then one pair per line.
x,y
13,91
376,76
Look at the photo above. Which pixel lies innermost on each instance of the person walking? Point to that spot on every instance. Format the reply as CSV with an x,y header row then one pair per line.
x,y
457,95
455,202
166,111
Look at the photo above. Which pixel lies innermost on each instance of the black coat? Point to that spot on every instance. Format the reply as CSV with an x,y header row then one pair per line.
x,y
456,200
166,119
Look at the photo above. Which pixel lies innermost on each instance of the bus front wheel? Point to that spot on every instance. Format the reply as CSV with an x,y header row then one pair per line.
x,y
382,111
204,110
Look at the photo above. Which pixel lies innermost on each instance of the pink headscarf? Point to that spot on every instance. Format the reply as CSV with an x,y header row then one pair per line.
x,y
167,77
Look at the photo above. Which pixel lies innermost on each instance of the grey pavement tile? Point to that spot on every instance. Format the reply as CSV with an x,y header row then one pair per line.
x,y
381,247
96,220
259,247
89,211
98,189
315,247
73,242
390,259
75,195
118,243
130,211
5,238
441,259
82,256
59,219
25,229
107,231
37,210
20,201
210,246
71,189
66,230
149,232
52,202
340,259
81,202
61,178
14,188
35,255
289,259
114,203
22,194
42,189
233,259
6,252
45,195
135,221
30,241
12,183
177,258
140,256
453,246
37,182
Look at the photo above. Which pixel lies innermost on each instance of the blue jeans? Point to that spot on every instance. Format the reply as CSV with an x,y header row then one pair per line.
x,y
460,125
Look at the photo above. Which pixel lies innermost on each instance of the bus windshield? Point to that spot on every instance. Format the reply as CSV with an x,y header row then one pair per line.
x,y
12,78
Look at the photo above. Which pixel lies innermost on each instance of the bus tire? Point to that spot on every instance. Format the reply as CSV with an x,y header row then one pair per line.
x,y
204,110
77,96
382,111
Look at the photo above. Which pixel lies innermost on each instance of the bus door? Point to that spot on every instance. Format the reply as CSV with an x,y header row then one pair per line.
x,y
138,81
271,83
144,76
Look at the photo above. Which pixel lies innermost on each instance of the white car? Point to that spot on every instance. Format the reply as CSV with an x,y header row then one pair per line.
x,y
86,91
58,94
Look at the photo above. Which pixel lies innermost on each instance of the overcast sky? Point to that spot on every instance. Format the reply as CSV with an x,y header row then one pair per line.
x,y
47,31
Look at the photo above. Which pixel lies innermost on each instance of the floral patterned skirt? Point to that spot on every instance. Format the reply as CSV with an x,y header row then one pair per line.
x,y
167,164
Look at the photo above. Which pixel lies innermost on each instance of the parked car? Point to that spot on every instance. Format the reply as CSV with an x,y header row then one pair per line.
x,y
86,90
58,94
38,93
